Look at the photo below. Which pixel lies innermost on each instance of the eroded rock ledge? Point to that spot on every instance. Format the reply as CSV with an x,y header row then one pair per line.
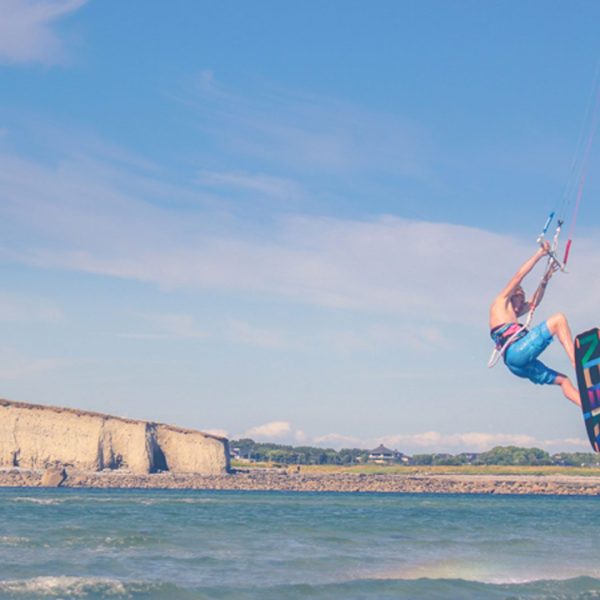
x,y
35,437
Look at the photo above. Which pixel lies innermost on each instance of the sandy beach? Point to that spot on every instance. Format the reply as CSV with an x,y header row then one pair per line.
x,y
292,481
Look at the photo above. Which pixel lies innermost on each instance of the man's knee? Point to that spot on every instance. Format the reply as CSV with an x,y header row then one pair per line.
x,y
561,379
557,319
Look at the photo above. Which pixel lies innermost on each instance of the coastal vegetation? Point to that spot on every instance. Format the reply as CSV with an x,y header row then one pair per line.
x,y
425,471
247,450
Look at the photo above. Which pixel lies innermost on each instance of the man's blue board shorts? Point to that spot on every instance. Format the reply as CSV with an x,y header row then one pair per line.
x,y
521,356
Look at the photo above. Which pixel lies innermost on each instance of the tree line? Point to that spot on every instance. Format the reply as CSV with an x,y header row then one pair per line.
x,y
500,455
297,455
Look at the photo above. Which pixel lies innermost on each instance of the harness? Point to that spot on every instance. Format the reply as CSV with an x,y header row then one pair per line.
x,y
504,335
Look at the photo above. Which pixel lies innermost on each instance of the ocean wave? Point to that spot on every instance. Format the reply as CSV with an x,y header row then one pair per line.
x,y
13,540
69,498
129,541
486,573
42,501
160,501
91,588
582,588
59,586
124,499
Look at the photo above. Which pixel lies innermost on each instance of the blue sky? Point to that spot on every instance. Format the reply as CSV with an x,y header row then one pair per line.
x,y
287,220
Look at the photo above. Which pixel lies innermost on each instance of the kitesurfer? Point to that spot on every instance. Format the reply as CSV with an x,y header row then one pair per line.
x,y
524,346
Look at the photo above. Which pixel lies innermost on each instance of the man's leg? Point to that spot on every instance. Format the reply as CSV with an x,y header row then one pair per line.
x,y
568,389
559,326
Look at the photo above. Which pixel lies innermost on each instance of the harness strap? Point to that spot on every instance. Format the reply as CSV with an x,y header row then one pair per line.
x,y
515,333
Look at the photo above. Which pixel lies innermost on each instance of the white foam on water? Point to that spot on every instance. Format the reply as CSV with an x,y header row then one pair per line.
x,y
65,499
159,501
63,586
42,501
12,540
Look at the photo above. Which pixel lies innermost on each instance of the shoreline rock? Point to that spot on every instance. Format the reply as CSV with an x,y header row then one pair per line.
x,y
53,477
281,480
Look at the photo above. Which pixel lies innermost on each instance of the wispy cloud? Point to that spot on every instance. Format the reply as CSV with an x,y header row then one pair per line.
x,y
80,217
246,333
273,430
338,440
426,442
15,307
104,212
473,441
180,326
300,436
15,365
416,336
268,185
433,441
302,131
27,30
168,326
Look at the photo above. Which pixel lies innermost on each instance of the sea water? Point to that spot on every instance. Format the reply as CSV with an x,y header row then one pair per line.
x,y
172,545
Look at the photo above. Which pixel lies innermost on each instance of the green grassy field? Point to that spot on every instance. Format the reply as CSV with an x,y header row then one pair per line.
x,y
430,470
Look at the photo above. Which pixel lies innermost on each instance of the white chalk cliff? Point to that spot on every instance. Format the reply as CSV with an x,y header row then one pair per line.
x,y
35,437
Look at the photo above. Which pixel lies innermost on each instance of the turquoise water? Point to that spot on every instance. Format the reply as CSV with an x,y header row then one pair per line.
x,y
272,545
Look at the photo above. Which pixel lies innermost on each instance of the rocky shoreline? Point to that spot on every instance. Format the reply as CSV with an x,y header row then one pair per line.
x,y
298,481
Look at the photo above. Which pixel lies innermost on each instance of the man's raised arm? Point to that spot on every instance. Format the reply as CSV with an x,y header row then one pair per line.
x,y
524,269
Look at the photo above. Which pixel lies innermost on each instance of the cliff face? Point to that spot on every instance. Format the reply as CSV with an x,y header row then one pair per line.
x,y
35,437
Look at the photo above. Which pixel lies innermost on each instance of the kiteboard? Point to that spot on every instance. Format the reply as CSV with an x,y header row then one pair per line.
x,y
587,366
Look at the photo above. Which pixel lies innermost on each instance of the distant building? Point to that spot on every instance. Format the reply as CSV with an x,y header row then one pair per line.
x,y
382,456
469,457
238,454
